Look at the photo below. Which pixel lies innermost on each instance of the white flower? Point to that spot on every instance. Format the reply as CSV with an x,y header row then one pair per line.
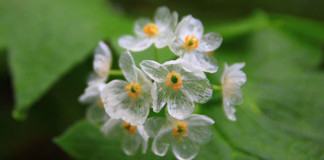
x,y
183,135
191,45
101,65
130,100
133,136
179,85
232,80
158,32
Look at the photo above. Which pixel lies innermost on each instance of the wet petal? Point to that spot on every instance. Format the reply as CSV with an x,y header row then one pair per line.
x,y
232,80
162,17
187,71
189,26
154,70
210,42
163,39
131,143
185,149
202,61
127,65
92,92
159,94
176,45
139,26
112,128
199,120
96,115
162,141
198,90
180,106
145,137
199,134
135,44
153,125
102,60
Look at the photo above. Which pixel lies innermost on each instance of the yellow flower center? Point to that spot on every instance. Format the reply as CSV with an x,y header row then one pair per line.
x,y
191,42
180,130
129,128
174,80
101,105
151,29
134,89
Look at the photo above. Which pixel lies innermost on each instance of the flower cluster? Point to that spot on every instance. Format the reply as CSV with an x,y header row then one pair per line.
x,y
123,106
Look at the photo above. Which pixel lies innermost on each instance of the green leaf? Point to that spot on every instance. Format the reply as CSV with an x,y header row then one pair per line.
x,y
45,39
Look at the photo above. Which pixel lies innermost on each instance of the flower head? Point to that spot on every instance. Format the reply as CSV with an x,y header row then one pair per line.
x,y
190,43
147,32
179,85
96,83
129,100
232,79
133,136
183,135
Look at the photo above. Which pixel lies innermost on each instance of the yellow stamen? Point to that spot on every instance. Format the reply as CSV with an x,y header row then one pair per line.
x,y
174,80
180,130
151,29
191,42
101,105
129,128
134,89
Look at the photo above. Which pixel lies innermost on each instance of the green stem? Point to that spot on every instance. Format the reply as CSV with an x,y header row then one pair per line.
x,y
116,72
217,88
156,54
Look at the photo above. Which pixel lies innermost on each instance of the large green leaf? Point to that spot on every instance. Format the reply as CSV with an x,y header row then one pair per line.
x,y
45,39
282,114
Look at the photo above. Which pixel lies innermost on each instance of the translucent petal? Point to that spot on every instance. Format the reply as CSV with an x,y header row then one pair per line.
x,y
163,38
154,70
92,92
143,80
96,115
153,125
229,109
145,137
232,80
199,120
127,65
139,26
131,143
233,74
185,149
180,106
199,134
198,90
210,42
102,60
202,61
162,17
189,26
174,21
111,128
162,141
159,94
187,71
135,44
176,45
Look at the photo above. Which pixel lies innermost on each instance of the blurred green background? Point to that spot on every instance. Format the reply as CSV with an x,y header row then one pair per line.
x,y
46,53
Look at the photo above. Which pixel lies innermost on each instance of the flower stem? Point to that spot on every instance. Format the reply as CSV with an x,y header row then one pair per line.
x,y
216,87
156,54
116,72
